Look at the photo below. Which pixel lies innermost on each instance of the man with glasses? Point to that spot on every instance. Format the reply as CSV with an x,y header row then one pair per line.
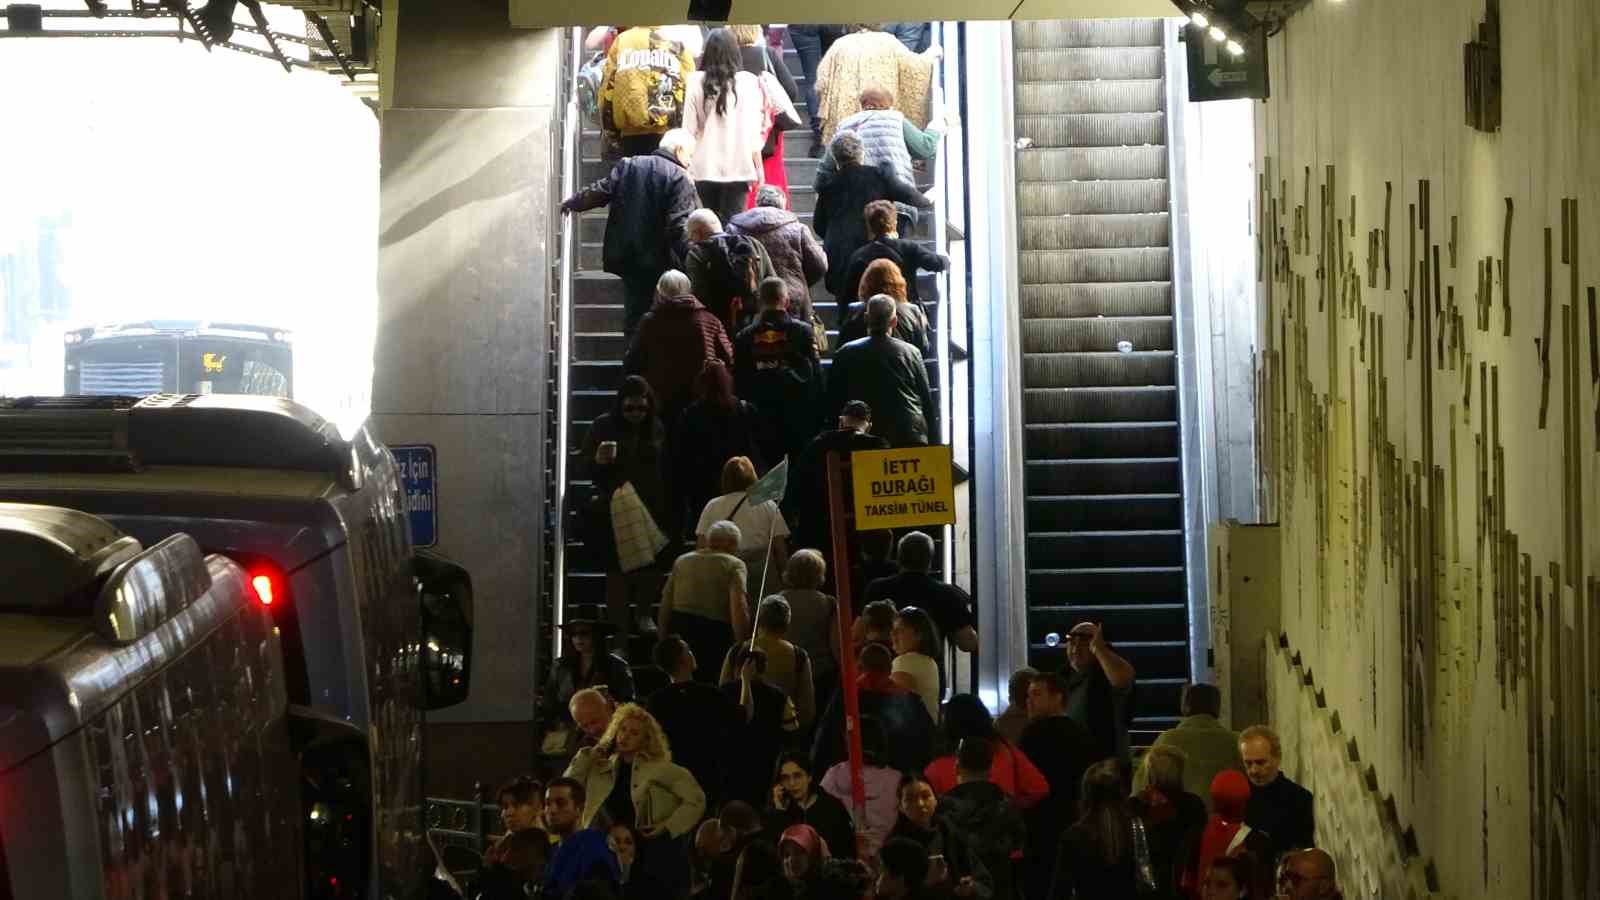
x,y
1099,690
1308,875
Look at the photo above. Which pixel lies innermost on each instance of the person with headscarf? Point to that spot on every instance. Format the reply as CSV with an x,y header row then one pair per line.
x,y
1226,834
803,852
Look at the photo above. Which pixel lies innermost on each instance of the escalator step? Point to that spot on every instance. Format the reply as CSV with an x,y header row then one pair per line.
x,y
1058,266
1089,63
1100,404
1094,129
1086,33
1082,301
1141,367
1077,198
1059,98
1051,164
1095,232
1097,334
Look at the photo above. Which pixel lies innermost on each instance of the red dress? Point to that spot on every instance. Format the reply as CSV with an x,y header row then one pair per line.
x,y
774,173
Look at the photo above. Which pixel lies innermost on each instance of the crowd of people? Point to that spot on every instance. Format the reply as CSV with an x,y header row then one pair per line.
x,y
731,787
720,767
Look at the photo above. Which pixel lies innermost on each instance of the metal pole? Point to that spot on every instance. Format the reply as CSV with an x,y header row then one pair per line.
x,y
570,140
847,665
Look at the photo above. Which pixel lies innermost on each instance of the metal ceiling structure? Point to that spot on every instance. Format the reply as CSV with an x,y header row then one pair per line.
x,y
340,36
545,13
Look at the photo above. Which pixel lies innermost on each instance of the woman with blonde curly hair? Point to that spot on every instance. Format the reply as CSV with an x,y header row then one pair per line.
x,y
629,776
882,276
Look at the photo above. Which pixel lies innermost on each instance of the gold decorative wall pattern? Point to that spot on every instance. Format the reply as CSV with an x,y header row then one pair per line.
x,y
1430,427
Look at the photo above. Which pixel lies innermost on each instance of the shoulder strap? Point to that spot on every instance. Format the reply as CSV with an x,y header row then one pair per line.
x,y
1238,840
738,506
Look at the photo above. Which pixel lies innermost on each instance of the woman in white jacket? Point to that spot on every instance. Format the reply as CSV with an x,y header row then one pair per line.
x,y
729,110
629,776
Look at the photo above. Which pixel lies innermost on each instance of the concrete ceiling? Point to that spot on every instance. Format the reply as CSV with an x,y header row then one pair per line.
x,y
546,13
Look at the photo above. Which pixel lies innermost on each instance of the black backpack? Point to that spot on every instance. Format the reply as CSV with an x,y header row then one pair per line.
x,y
735,274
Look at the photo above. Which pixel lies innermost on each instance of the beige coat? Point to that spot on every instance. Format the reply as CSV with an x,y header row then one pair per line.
x,y
872,57
665,795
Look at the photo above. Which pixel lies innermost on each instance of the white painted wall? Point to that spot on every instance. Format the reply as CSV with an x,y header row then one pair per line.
x,y
1475,707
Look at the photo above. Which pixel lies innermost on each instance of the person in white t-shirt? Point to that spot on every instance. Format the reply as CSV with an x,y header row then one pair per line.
x,y
764,540
915,638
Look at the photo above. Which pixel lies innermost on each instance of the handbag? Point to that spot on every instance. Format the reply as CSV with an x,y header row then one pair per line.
x,y
769,141
638,537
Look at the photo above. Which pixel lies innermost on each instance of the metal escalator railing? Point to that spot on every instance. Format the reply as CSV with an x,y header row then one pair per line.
x,y
571,134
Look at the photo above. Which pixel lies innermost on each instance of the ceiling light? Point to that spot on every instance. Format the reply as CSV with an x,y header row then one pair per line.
x,y
1199,19
1217,34
1234,48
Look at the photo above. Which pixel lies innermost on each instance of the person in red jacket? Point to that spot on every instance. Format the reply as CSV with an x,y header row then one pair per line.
x,y
965,717
674,341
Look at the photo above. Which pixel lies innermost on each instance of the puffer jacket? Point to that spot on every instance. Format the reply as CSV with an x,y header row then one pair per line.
x,y
645,78
675,339
882,133
796,254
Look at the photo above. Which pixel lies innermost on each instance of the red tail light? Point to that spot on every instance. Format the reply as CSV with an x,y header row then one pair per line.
x,y
266,588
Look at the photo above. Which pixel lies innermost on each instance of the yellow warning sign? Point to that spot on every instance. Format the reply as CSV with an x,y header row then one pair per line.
x,y
900,488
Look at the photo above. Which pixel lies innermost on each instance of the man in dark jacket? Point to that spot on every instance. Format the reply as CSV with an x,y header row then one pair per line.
x,y
698,719
842,196
886,243
805,503
649,199
978,810
776,367
890,376
674,341
1279,808
904,716
1062,750
725,270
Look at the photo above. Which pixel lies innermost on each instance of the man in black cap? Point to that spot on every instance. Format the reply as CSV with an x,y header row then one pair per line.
x,y
584,665
806,501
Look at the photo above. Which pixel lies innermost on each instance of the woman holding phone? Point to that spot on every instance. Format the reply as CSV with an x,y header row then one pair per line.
x,y
626,446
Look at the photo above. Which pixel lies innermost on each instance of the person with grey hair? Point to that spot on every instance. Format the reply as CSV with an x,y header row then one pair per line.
x,y
788,666
842,197
1279,808
674,342
726,268
890,375
704,599
949,605
648,199
796,254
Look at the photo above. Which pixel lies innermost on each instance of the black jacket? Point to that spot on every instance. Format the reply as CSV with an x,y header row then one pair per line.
x,y
650,199
944,840
905,721
981,813
706,437
699,721
841,197
826,814
910,325
1284,811
1062,750
805,502
890,376
776,367
609,670
910,256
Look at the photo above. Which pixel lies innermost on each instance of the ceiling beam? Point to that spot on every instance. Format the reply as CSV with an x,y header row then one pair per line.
x,y
545,13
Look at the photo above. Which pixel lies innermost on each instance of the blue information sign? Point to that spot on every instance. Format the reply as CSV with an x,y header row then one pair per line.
x,y
418,478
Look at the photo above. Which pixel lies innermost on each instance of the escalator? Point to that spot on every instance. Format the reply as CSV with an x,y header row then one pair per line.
x,y
1104,507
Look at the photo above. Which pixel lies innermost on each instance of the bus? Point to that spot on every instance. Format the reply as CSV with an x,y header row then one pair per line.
x,y
145,738
161,356
373,635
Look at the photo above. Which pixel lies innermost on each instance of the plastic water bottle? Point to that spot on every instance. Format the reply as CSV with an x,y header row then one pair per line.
x,y
1052,639
1124,346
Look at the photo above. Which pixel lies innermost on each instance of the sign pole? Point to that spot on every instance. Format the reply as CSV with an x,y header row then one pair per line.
x,y
847,665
